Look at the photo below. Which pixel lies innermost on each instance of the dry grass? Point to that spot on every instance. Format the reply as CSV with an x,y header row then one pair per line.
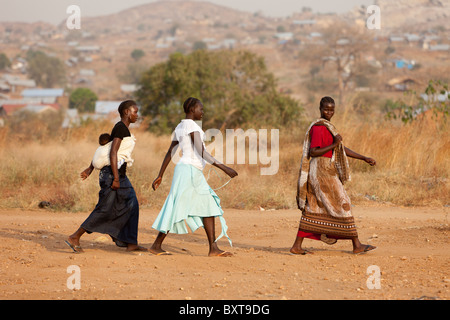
x,y
412,168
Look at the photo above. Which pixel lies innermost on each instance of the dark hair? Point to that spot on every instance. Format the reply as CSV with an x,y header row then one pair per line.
x,y
326,100
126,105
104,138
189,103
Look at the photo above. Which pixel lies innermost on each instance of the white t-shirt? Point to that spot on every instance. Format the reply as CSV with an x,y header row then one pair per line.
x,y
182,135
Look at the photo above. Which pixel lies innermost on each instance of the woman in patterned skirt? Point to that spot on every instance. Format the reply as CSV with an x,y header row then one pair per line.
x,y
326,207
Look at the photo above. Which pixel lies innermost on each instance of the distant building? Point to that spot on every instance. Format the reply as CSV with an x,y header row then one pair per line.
x,y
396,39
439,47
4,87
108,110
44,95
40,108
411,37
429,40
9,109
71,118
128,89
162,45
89,49
105,108
315,37
284,36
15,83
229,43
400,84
71,62
342,42
19,64
304,23
87,73
213,46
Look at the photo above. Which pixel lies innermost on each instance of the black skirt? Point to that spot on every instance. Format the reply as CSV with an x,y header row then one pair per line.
x,y
117,211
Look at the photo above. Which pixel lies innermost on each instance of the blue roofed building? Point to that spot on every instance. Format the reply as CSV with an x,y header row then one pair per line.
x,y
43,95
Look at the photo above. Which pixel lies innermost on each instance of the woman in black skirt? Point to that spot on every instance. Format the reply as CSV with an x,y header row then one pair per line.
x,y
117,210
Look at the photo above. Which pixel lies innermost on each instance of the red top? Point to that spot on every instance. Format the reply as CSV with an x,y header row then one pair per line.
x,y
321,137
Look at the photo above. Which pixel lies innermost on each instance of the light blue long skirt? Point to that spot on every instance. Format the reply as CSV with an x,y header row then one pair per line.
x,y
189,201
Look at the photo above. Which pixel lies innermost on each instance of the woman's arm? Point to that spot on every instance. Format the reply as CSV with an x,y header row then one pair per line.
x,y
87,172
198,145
113,160
317,151
173,147
354,155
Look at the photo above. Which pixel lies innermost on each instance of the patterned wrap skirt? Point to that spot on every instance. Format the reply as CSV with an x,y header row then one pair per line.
x,y
117,211
189,201
328,207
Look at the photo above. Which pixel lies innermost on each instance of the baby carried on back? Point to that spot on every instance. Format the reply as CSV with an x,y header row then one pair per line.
x,y
101,155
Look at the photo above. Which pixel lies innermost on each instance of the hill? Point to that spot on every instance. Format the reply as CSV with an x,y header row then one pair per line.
x,y
99,54
413,16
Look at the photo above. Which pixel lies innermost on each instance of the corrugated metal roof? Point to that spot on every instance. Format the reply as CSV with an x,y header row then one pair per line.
x,y
42,92
106,107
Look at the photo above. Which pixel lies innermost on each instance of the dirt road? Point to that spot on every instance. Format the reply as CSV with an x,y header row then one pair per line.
x,y
412,259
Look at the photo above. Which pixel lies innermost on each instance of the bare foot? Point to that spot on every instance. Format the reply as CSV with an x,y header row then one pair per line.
x,y
74,244
300,251
220,253
363,248
159,252
135,247
74,240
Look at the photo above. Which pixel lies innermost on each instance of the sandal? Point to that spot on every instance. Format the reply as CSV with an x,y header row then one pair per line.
x,y
330,241
75,249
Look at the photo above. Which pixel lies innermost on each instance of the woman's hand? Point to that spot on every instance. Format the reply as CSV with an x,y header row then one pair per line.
x,y
337,138
115,185
86,173
370,161
230,172
156,183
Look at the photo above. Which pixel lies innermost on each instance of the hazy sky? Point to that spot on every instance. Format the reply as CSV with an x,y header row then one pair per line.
x,y
54,11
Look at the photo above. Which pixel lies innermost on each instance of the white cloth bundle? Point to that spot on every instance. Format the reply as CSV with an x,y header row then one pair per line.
x,y
101,155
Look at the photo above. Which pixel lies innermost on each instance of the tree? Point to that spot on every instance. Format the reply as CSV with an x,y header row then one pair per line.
x,y
199,45
341,50
45,70
4,61
132,73
83,99
137,54
235,87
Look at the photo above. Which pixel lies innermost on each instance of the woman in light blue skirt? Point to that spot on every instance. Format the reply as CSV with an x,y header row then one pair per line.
x,y
191,200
